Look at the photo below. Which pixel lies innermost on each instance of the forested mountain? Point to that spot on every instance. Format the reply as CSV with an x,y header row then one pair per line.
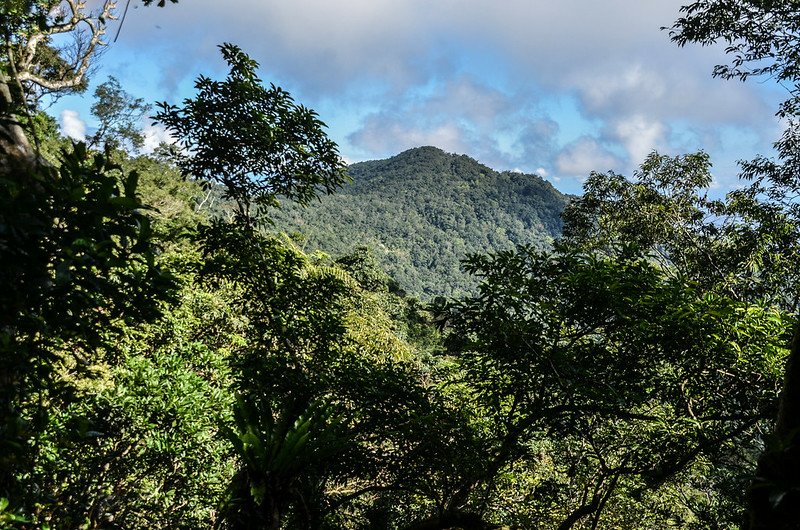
x,y
423,211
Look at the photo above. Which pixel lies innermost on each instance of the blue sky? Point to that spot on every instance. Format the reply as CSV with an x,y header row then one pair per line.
x,y
554,88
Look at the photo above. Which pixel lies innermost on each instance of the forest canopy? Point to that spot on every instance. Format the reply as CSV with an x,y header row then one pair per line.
x,y
169,363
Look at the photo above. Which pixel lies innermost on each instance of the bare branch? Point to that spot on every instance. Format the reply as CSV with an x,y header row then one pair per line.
x,y
78,17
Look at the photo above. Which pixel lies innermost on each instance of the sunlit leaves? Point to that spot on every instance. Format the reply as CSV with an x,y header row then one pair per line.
x,y
638,370
79,259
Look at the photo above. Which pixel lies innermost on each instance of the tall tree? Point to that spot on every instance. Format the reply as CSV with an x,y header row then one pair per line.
x,y
309,387
118,114
76,250
255,141
76,246
30,65
638,373
761,37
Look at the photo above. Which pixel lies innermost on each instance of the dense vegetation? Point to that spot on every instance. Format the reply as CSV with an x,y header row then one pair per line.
x,y
423,211
163,367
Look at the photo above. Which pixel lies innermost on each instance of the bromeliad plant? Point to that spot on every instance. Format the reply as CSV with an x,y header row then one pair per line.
x,y
283,457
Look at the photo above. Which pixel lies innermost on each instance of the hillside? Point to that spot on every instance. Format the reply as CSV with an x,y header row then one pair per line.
x,y
424,210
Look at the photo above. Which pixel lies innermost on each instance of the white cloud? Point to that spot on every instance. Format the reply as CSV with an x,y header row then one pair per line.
x,y
583,156
72,125
543,173
466,76
669,91
155,135
459,115
477,103
536,139
382,136
447,136
601,90
334,44
640,136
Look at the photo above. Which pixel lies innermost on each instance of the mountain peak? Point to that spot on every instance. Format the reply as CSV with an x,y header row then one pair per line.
x,y
424,210
425,159
422,150
423,156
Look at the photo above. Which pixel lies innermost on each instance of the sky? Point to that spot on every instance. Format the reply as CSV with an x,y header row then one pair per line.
x,y
556,88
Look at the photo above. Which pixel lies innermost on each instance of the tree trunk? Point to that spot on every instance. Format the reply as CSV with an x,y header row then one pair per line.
x,y
16,153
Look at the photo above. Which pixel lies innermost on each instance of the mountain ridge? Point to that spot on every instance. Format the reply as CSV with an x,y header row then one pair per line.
x,y
424,210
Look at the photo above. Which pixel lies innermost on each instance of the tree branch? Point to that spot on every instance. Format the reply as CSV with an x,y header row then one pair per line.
x,y
80,66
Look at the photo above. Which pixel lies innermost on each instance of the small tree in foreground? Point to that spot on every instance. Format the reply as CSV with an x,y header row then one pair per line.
x,y
253,140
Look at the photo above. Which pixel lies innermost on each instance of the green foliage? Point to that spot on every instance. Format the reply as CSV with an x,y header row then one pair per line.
x,y
72,239
253,140
44,129
327,390
78,249
141,448
176,204
761,38
315,380
7,516
113,419
743,247
620,378
118,115
746,245
639,374
422,211
663,209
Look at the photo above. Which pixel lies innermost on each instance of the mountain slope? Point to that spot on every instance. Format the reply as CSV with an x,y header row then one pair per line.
x,y
424,210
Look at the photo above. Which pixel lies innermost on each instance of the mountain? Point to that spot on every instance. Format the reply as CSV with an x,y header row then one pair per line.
x,y
421,212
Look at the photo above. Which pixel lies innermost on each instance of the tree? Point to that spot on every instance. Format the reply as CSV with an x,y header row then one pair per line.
x,y
78,251
762,37
76,247
32,59
635,375
31,65
747,244
118,115
326,391
253,140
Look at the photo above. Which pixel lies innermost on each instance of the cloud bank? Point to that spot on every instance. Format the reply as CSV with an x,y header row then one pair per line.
x,y
565,87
